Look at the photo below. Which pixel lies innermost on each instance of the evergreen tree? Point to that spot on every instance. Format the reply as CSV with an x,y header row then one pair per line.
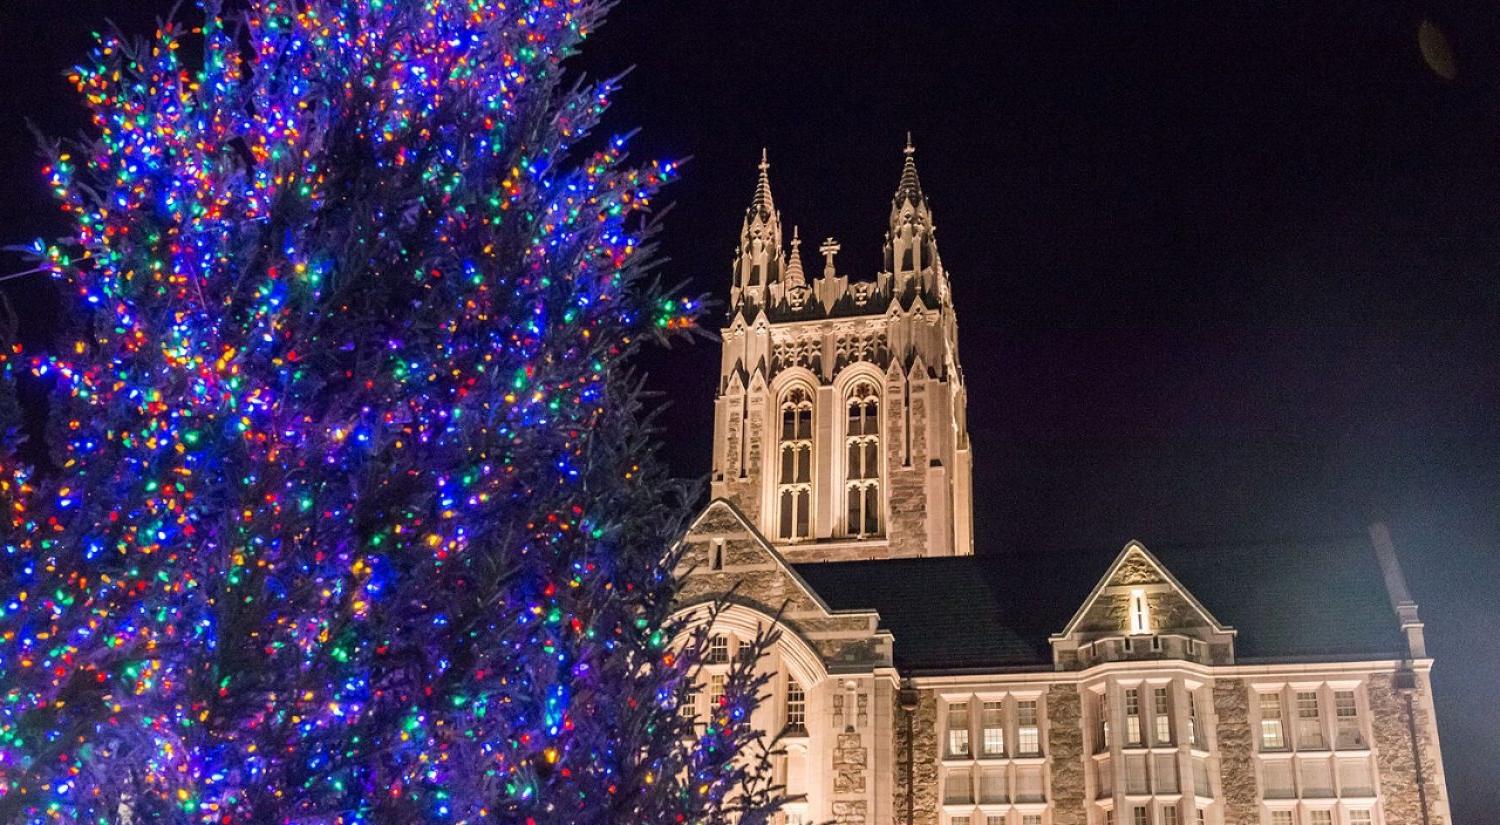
x,y
354,514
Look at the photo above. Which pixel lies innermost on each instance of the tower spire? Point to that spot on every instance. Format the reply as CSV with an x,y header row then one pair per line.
x,y
762,204
910,187
760,259
795,278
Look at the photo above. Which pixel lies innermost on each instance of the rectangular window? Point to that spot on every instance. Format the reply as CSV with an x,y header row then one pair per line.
x,y
1135,775
1104,777
1109,816
689,707
957,788
1140,612
1346,714
1360,818
1309,724
1355,778
1029,784
1133,717
1162,715
796,707
960,820
1277,774
1281,818
1164,772
1202,816
992,719
1031,819
1321,818
1272,730
1102,717
715,692
1141,815
1169,815
1317,778
993,786
1194,738
1201,785
1028,737
958,729
997,819
718,650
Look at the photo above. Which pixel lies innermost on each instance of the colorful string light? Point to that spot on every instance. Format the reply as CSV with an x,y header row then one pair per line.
x,y
353,517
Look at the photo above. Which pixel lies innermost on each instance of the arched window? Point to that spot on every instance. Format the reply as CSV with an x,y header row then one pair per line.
x,y
862,462
794,478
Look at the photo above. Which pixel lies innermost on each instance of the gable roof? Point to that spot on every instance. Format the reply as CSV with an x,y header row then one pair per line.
x,y
1136,549
1292,600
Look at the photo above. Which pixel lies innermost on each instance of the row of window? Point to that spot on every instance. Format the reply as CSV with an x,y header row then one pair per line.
x,y
1309,731
1005,728
1322,816
1149,710
995,819
1317,778
994,785
1163,815
862,465
1152,774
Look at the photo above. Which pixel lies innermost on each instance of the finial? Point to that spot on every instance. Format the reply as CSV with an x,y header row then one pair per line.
x,y
829,248
766,164
762,203
910,149
796,237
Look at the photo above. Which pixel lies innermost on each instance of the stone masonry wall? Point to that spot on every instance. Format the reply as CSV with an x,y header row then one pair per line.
x,y
1236,752
1065,744
908,505
1393,753
925,769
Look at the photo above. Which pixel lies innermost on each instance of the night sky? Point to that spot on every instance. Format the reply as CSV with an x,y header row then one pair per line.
x,y
1224,271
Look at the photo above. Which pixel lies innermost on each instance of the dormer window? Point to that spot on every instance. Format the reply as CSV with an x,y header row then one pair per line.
x,y
1140,612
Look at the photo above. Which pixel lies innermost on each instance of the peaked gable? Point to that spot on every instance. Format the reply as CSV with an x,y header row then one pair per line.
x,y
725,557
1137,610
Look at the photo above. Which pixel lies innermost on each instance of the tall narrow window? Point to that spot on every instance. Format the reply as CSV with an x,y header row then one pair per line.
x,y
1169,815
1103,719
1141,815
1272,730
1161,715
716,554
689,707
796,707
992,720
1140,612
1133,716
794,482
715,693
1309,724
862,443
1346,714
1194,738
1028,736
958,729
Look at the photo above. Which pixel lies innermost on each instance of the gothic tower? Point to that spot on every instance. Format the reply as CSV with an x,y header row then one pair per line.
x,y
839,424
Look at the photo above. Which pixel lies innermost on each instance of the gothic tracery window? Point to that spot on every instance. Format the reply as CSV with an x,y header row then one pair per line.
x,y
862,462
794,478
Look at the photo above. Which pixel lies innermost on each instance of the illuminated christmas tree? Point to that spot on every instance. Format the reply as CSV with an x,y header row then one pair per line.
x,y
353,514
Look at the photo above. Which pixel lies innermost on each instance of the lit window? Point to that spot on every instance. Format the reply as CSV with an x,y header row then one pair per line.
x,y
960,820
1322,817
958,729
718,650
1141,815
1309,725
862,467
999,819
689,707
1193,737
992,720
1272,730
1140,612
794,480
715,692
1281,818
1030,819
1103,718
1360,818
1346,713
796,707
1161,709
1132,716
1028,737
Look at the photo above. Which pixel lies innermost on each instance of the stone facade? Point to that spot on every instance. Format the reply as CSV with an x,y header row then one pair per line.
x,y
1236,747
1144,712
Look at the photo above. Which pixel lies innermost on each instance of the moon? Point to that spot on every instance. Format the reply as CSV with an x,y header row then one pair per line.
x,y
1436,50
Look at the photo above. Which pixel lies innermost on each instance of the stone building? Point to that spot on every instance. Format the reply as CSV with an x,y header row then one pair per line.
x,y
920,684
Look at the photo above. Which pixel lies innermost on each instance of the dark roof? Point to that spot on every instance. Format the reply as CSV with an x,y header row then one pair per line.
x,y
1318,599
